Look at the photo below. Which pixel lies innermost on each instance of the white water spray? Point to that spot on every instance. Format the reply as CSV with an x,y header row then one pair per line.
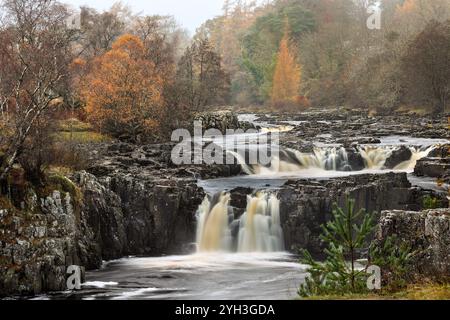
x,y
332,159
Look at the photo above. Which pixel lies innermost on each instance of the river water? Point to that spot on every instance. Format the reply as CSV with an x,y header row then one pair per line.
x,y
219,276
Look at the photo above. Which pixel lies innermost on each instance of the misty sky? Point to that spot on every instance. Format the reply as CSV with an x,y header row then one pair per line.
x,y
189,13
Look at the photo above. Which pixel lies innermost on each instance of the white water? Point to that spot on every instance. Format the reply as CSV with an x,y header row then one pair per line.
x,y
332,159
218,276
213,232
259,228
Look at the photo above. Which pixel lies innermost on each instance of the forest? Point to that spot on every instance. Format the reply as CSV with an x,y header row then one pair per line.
x,y
138,77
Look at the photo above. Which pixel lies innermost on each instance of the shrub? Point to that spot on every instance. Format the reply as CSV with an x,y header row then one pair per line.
x,y
344,237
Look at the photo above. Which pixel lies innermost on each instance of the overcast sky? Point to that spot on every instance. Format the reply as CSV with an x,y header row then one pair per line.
x,y
189,13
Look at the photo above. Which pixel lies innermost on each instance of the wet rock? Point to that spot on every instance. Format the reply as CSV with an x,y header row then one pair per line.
x,y
442,152
239,200
307,204
397,157
221,120
427,233
355,160
433,167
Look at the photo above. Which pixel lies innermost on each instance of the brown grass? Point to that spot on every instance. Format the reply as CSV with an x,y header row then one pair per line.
x,y
413,292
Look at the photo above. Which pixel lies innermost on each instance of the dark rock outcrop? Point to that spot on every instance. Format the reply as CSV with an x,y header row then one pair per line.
x,y
158,216
306,205
220,120
440,152
39,242
436,165
398,156
433,167
428,235
355,160
102,209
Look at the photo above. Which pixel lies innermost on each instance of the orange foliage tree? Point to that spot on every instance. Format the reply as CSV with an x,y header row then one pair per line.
x,y
287,76
123,92
407,6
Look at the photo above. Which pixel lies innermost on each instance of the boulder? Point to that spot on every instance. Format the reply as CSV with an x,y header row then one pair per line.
x,y
398,156
355,160
433,167
428,235
220,120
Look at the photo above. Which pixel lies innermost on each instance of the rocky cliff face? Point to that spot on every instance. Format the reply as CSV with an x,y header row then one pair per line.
x,y
135,205
39,241
436,165
427,233
306,205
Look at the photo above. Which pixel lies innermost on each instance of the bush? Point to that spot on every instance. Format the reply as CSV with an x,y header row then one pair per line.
x,y
393,258
346,238
430,202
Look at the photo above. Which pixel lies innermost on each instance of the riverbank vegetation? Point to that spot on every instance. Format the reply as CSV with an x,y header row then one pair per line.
x,y
115,75
357,269
424,291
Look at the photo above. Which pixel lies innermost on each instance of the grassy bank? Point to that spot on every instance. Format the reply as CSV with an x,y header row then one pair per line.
x,y
413,292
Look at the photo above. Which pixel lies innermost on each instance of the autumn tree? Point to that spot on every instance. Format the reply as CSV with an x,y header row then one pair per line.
x,y
201,80
100,30
261,42
35,53
123,92
164,42
427,65
287,76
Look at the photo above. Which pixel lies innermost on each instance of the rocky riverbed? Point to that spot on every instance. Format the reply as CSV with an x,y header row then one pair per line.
x,y
133,201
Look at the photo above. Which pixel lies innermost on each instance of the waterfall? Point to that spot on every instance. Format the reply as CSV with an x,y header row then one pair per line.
x,y
417,154
374,157
213,233
332,159
259,228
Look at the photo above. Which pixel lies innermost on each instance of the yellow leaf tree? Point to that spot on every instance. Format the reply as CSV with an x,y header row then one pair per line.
x,y
123,91
287,76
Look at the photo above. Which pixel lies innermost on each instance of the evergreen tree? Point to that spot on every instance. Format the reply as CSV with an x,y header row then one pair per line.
x,y
345,239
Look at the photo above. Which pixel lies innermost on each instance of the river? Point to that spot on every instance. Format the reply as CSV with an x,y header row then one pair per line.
x,y
248,269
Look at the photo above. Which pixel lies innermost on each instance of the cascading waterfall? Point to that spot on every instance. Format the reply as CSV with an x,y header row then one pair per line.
x,y
374,157
332,159
325,159
417,154
259,228
213,232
